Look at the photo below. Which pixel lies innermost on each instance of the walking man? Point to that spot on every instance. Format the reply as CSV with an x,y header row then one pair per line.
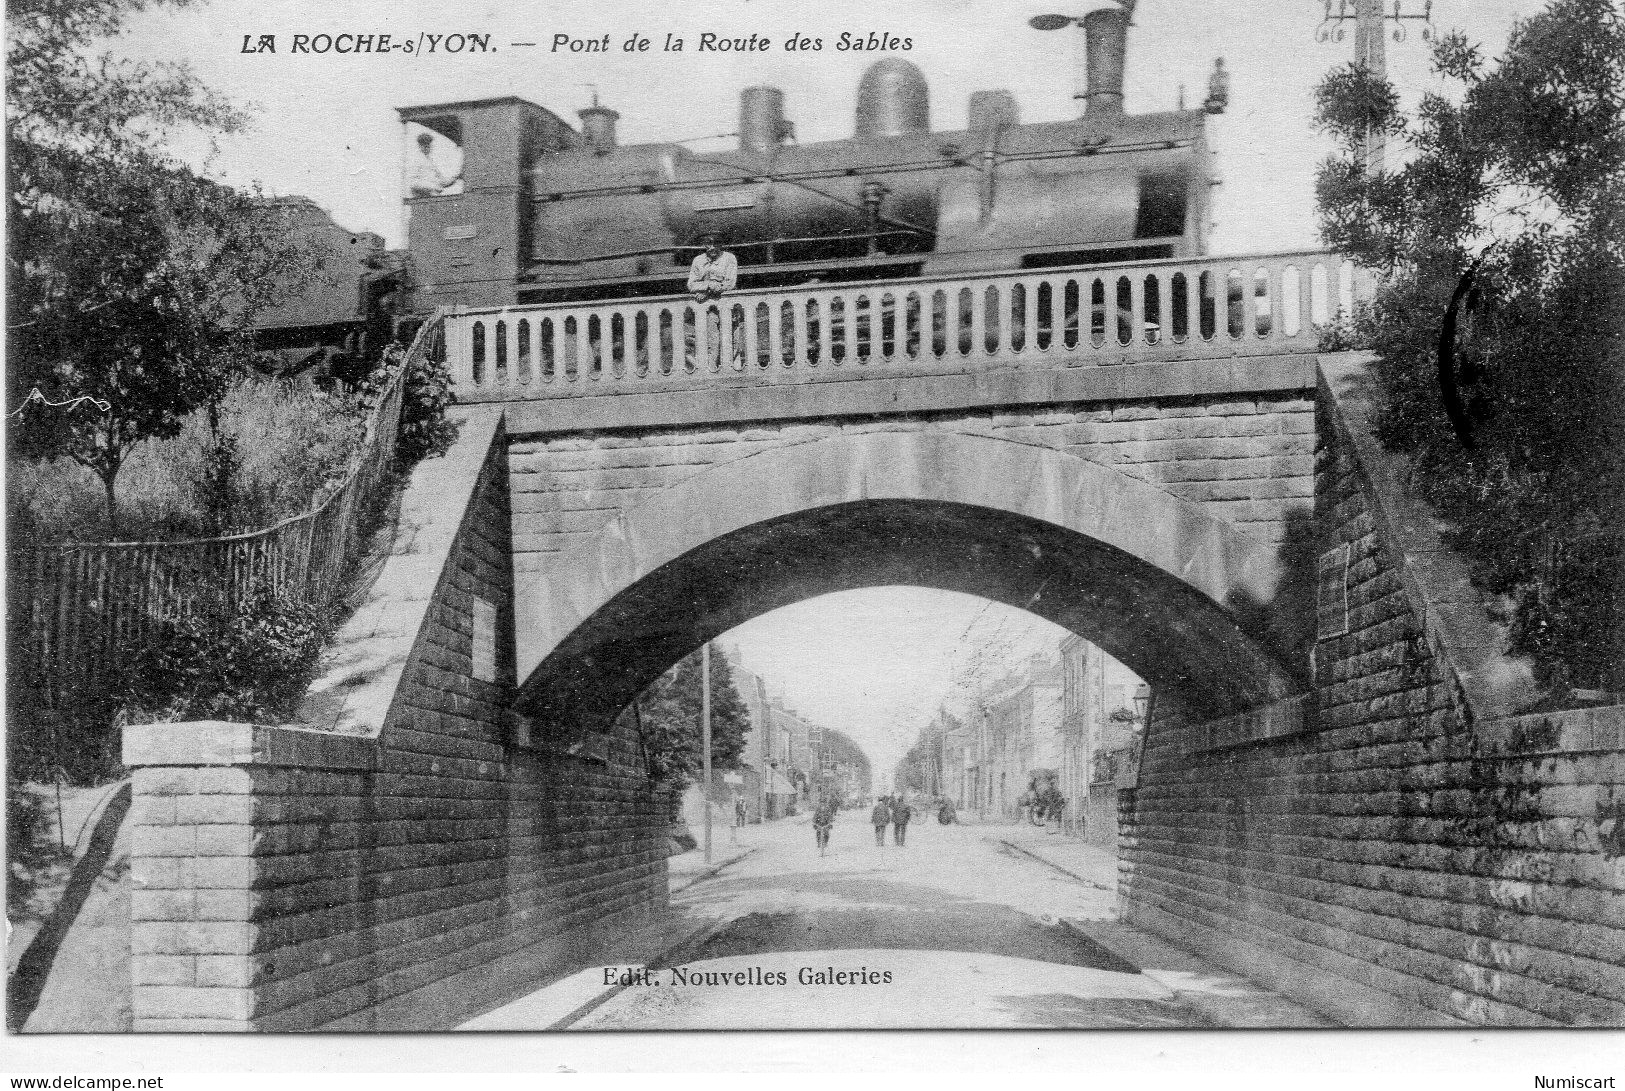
x,y
823,819
739,813
901,812
880,818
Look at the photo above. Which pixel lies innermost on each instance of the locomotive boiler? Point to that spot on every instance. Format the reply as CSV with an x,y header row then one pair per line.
x,y
541,211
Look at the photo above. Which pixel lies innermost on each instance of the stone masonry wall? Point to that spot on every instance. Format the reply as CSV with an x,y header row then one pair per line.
x,y
1390,861
292,879
1248,460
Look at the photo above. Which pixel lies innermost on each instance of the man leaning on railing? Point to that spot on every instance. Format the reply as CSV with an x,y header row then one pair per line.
x,y
712,273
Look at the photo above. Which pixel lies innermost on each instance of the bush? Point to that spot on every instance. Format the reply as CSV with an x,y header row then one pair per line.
x,y
30,851
252,662
424,429
1506,205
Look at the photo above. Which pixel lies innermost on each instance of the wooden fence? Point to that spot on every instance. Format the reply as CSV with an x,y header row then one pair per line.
x,y
75,610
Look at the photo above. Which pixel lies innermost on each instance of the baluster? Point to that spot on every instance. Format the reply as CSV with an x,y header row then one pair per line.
x,y
1276,271
1074,332
510,373
865,315
456,335
1024,319
801,350
1193,303
575,333
839,312
695,325
1136,309
775,333
1293,303
739,316
719,319
1165,306
620,323
592,345
509,358
669,337
977,322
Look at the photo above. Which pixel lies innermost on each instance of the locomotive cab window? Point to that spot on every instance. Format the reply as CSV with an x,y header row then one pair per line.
x,y
434,157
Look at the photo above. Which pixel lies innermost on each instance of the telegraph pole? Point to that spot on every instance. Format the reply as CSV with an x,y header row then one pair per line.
x,y
705,738
1371,49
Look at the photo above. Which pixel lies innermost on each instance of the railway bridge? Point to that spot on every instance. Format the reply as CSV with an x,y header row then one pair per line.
x,y
1339,794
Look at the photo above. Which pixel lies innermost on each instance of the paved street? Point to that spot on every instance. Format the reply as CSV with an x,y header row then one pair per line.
x,y
956,929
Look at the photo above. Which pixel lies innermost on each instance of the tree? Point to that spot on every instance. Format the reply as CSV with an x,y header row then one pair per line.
x,y
1506,219
668,716
131,280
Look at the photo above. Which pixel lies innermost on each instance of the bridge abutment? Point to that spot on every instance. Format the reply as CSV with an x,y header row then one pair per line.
x,y
397,864
1391,858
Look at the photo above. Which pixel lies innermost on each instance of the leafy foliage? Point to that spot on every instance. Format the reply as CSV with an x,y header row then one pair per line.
x,y
129,278
31,852
248,662
424,429
668,716
265,451
1519,179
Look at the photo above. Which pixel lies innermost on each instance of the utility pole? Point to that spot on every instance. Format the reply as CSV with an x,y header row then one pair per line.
x,y
705,738
1371,49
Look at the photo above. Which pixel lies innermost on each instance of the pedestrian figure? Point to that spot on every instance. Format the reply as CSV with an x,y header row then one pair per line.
x,y
880,818
901,812
710,275
739,813
823,819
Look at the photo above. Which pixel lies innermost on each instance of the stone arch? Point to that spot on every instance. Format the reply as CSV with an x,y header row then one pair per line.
x,y
1178,595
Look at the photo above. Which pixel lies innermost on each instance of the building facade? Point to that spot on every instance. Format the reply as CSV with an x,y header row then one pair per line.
x,y
1102,714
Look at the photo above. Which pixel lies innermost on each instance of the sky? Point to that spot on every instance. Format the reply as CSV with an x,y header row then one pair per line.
x,y
326,126
878,663
874,663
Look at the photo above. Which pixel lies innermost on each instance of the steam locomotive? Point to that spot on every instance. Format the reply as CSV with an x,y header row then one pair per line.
x,y
542,212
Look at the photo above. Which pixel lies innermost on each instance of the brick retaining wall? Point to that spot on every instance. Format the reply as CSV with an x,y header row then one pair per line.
x,y
1389,861
408,877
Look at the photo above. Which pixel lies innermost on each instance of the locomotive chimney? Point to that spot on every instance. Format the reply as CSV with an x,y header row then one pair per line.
x,y
761,119
1105,34
598,126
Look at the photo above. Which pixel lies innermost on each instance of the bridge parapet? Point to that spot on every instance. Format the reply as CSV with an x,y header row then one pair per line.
x,y
1177,309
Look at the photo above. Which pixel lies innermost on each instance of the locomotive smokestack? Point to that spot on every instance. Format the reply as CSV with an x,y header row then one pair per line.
x,y
1105,37
598,126
761,119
